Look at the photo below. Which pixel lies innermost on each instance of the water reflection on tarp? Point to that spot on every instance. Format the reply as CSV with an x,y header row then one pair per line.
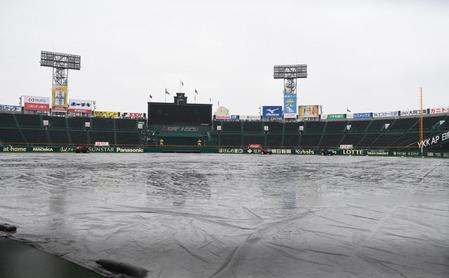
x,y
181,215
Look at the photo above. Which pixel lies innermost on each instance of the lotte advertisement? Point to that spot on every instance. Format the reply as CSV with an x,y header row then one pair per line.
x,y
59,98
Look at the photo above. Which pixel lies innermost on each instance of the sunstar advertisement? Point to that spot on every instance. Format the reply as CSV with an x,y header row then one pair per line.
x,y
59,99
289,105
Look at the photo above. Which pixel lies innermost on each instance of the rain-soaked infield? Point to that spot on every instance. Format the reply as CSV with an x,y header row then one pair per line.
x,y
206,215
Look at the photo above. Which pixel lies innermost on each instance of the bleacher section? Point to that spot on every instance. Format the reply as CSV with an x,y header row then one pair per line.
x,y
24,129
399,133
373,134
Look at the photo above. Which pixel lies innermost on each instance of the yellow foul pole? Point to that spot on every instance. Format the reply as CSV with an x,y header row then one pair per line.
x,y
421,119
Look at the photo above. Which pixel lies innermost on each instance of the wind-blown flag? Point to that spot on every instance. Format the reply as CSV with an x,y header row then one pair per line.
x,y
166,92
150,96
182,83
196,92
347,110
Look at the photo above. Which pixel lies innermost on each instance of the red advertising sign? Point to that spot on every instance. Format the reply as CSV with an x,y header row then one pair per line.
x,y
36,107
134,115
32,103
254,146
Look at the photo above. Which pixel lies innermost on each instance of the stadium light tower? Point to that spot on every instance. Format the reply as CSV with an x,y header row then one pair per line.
x,y
290,74
61,63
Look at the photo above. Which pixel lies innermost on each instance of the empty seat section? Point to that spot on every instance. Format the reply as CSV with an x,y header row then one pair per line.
x,y
126,124
28,121
57,123
104,136
352,139
79,137
11,136
274,140
128,138
335,127
314,127
331,140
102,124
233,127
367,140
402,125
378,125
274,127
58,137
310,140
7,120
292,127
77,123
35,136
358,126
253,139
385,140
291,141
252,126
230,140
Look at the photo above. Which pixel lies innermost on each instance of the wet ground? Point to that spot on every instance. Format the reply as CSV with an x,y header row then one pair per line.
x,y
206,215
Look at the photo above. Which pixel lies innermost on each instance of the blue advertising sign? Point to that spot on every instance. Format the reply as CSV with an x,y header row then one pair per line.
x,y
362,115
272,111
10,108
290,104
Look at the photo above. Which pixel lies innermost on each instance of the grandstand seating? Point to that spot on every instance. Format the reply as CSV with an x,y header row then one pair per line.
x,y
7,120
402,132
29,121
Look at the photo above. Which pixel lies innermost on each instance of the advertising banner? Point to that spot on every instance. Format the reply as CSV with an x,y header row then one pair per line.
x,y
222,117
439,110
106,114
272,111
309,111
32,103
81,106
132,115
235,117
361,116
10,108
59,98
385,114
405,113
249,118
289,105
336,116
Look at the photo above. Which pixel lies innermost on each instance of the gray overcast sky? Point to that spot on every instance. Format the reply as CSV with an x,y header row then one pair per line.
x,y
364,55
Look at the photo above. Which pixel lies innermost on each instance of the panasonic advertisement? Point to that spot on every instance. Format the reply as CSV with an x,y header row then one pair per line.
x,y
272,111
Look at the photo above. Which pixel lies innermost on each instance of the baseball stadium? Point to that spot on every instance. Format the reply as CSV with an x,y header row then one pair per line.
x,y
181,190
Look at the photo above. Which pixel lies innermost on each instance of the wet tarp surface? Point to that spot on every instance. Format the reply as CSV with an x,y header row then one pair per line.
x,y
198,215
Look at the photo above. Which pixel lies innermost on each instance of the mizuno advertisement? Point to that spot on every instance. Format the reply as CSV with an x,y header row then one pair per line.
x,y
272,111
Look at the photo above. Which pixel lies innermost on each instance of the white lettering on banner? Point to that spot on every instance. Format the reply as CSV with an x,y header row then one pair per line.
x,y
445,136
280,151
129,150
433,140
67,149
353,152
230,150
42,149
14,149
377,152
305,152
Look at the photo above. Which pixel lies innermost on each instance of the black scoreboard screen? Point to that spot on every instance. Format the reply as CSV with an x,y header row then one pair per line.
x,y
170,113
